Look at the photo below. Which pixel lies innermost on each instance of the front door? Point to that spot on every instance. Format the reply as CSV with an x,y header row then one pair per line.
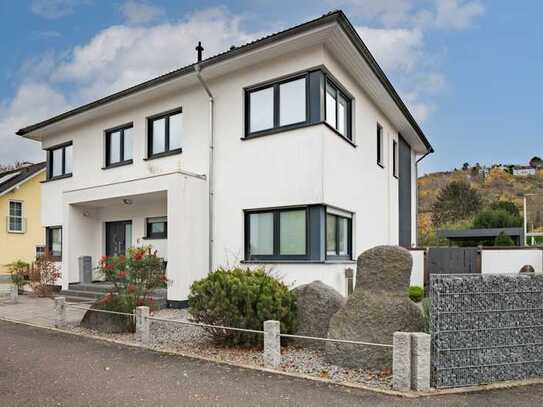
x,y
118,237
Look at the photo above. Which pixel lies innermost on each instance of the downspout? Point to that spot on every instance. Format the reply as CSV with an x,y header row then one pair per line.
x,y
211,179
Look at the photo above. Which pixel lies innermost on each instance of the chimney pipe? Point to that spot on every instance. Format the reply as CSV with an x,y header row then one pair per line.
x,y
200,49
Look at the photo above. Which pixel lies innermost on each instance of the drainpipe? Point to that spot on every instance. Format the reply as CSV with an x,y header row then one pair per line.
x,y
211,165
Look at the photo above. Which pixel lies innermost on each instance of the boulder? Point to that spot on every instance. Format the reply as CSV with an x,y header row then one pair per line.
x,y
378,307
316,304
107,323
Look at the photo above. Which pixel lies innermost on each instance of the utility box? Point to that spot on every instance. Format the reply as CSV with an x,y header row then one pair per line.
x,y
85,269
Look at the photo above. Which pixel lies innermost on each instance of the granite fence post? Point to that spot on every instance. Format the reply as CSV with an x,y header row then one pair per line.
x,y
142,324
420,361
401,361
60,312
13,294
272,344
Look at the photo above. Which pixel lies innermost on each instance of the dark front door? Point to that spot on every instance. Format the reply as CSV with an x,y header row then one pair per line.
x,y
118,237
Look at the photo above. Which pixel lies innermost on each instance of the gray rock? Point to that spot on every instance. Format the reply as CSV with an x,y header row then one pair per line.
x,y
316,304
378,307
107,323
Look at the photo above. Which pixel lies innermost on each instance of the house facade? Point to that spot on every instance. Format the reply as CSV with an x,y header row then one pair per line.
x,y
21,235
524,171
293,152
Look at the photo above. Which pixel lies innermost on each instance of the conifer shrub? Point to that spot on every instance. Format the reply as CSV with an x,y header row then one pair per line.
x,y
416,294
241,298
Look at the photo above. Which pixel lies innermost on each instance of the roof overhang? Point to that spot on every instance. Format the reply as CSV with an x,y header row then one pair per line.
x,y
333,31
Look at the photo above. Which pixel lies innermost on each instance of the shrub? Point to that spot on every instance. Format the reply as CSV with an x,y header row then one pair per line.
x,y
241,298
496,218
20,273
426,312
44,275
507,206
503,240
416,294
134,278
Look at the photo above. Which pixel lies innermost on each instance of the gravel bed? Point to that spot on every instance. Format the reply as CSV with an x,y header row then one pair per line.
x,y
294,359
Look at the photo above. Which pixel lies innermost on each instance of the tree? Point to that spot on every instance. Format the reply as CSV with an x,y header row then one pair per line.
x,y
465,166
503,240
456,201
536,162
507,206
496,218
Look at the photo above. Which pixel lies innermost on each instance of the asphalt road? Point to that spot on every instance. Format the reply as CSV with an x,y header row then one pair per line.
x,y
39,367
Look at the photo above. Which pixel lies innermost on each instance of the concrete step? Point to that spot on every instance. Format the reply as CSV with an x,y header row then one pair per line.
x,y
82,294
93,287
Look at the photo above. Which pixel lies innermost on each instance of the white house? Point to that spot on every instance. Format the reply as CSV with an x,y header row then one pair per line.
x,y
523,171
293,151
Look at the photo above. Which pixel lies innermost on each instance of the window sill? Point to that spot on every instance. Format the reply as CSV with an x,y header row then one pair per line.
x,y
381,165
17,232
339,134
119,164
328,261
164,154
58,177
154,238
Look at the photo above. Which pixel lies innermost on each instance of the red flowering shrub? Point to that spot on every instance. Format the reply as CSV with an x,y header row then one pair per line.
x,y
44,275
134,277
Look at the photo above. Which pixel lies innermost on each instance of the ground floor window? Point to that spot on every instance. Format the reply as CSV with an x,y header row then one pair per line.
x,y
15,218
338,236
297,233
157,228
53,237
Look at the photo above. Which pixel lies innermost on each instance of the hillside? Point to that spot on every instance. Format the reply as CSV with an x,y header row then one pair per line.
x,y
493,185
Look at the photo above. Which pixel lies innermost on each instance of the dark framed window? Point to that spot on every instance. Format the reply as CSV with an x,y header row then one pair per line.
x,y
53,241
59,161
119,141
278,105
395,171
165,134
15,217
157,228
338,237
338,109
278,234
380,137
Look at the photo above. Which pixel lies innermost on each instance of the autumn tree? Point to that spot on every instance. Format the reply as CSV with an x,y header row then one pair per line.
x,y
456,201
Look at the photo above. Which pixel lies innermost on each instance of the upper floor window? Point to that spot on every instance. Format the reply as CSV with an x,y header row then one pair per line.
x,y
380,145
395,171
119,145
157,228
277,105
276,234
338,110
338,236
165,133
53,239
59,161
15,217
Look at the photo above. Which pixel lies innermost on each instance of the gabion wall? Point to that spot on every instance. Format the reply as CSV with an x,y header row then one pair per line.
x,y
486,328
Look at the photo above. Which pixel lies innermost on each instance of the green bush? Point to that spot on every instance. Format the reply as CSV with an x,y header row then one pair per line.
x,y
503,240
496,218
241,298
19,271
416,294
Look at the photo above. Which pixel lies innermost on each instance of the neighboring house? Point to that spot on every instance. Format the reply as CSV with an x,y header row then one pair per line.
x,y
21,236
523,171
293,152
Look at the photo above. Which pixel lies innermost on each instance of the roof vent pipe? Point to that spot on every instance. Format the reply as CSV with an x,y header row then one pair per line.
x,y
199,49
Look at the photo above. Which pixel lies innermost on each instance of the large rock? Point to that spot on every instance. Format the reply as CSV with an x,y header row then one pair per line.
x,y
107,323
316,304
378,307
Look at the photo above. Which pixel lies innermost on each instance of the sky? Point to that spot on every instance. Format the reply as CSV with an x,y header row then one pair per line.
x,y
469,70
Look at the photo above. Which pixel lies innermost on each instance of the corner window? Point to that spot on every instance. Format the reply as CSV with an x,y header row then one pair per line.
x,y
277,105
119,146
338,110
15,217
395,171
165,134
380,145
338,236
53,238
59,161
157,228
276,234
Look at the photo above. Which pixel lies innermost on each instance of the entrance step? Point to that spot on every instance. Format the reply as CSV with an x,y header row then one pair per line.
x,y
88,292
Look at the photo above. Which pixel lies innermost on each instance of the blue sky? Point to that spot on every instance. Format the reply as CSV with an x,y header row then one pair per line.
x,y
468,69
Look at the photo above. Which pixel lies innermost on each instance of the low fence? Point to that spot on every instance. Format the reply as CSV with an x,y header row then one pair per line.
x,y
410,351
486,328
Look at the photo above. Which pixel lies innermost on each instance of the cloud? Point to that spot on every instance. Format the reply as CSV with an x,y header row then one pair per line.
x,y
138,12
114,59
53,9
457,14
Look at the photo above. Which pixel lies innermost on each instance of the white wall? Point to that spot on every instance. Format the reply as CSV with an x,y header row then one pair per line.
x,y
417,273
510,260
